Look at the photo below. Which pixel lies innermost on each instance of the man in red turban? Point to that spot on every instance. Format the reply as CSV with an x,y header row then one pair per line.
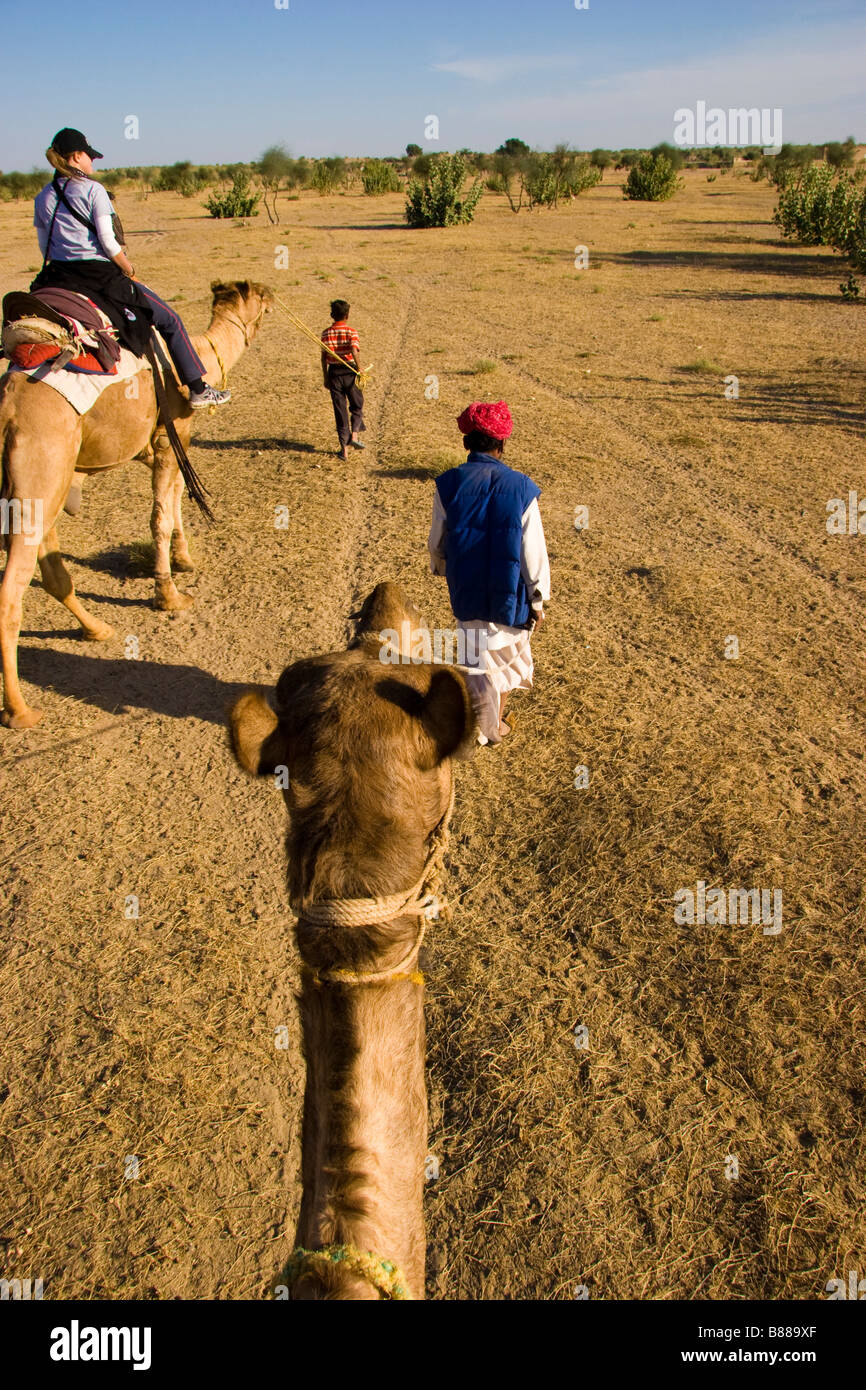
x,y
492,418
487,539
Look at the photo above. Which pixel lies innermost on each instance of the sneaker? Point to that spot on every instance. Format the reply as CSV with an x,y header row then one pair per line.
x,y
209,396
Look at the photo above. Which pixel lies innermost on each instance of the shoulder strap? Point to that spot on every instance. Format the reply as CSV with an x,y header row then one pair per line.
x,y
87,222
79,216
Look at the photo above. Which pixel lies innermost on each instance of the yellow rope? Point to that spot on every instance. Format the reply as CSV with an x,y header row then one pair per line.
x,y
382,1274
299,324
220,362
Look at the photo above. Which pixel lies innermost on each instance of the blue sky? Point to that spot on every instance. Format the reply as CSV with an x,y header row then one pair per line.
x,y
220,80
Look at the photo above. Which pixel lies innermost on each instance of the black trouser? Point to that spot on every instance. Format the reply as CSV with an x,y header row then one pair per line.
x,y
348,400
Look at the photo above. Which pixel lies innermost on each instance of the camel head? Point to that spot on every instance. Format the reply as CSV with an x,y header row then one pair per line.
x,y
244,300
366,739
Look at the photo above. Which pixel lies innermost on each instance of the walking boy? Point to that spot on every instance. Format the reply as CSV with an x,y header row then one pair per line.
x,y
342,382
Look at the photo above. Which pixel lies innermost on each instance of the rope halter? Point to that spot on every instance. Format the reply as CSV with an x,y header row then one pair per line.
x,y
425,900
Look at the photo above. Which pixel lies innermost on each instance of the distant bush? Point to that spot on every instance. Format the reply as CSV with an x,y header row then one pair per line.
x,y
328,174
238,202
652,180
540,179
14,185
438,200
177,178
422,164
672,153
840,153
379,177
602,159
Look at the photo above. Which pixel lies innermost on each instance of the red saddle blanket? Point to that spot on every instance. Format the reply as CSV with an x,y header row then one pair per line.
x,y
81,316
29,355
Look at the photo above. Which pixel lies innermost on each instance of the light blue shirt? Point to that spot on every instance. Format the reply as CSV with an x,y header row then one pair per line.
x,y
70,239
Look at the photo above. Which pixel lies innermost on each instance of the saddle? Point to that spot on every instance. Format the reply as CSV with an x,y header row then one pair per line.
x,y
59,326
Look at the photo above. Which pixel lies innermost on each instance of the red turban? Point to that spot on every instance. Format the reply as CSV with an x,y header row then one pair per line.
x,y
493,418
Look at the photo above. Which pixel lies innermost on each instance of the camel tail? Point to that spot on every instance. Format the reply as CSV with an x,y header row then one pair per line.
x,y
194,485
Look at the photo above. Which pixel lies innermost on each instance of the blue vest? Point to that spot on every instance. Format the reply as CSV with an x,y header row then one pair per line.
x,y
484,502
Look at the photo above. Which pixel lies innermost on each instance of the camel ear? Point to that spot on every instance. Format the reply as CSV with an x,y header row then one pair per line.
x,y
216,285
257,740
244,288
447,715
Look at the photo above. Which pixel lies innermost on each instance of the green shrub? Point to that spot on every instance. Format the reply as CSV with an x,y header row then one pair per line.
x,y
238,202
379,177
823,206
328,174
652,180
818,206
439,201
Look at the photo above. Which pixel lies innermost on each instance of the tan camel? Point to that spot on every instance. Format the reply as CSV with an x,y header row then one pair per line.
x,y
367,747
44,444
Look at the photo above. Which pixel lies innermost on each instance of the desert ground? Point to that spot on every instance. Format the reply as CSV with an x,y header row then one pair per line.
x,y
621,1105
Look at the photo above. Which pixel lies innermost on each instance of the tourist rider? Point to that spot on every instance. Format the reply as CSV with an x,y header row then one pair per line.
x,y
73,219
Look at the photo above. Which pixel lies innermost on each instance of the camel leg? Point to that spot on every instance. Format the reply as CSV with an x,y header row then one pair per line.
x,y
165,472
20,564
58,583
181,560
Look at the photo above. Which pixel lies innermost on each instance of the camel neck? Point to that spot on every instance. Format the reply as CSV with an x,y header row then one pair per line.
x,y
365,1121
229,337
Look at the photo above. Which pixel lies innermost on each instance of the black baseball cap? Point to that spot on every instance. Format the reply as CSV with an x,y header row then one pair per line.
x,y
67,141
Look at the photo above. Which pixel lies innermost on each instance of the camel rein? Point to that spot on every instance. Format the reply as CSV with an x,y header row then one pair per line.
x,y
425,900
360,376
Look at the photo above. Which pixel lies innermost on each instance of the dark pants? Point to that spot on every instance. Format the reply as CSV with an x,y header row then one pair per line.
x,y
348,400
184,356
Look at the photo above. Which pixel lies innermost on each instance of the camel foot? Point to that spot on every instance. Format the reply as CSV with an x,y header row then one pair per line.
x,y
182,564
168,599
97,632
24,720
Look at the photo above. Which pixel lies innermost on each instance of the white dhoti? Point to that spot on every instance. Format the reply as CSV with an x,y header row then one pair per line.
x,y
498,659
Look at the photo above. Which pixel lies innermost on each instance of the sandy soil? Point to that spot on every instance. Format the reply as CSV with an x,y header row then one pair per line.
x,y
608,1165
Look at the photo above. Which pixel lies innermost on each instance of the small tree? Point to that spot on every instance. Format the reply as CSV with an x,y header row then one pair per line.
x,y
652,180
238,202
275,168
515,149
506,176
413,151
438,201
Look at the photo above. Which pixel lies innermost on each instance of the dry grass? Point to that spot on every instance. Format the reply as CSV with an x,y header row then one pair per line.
x,y
604,1165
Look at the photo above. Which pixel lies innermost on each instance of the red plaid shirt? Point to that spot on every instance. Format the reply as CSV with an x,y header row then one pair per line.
x,y
342,339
